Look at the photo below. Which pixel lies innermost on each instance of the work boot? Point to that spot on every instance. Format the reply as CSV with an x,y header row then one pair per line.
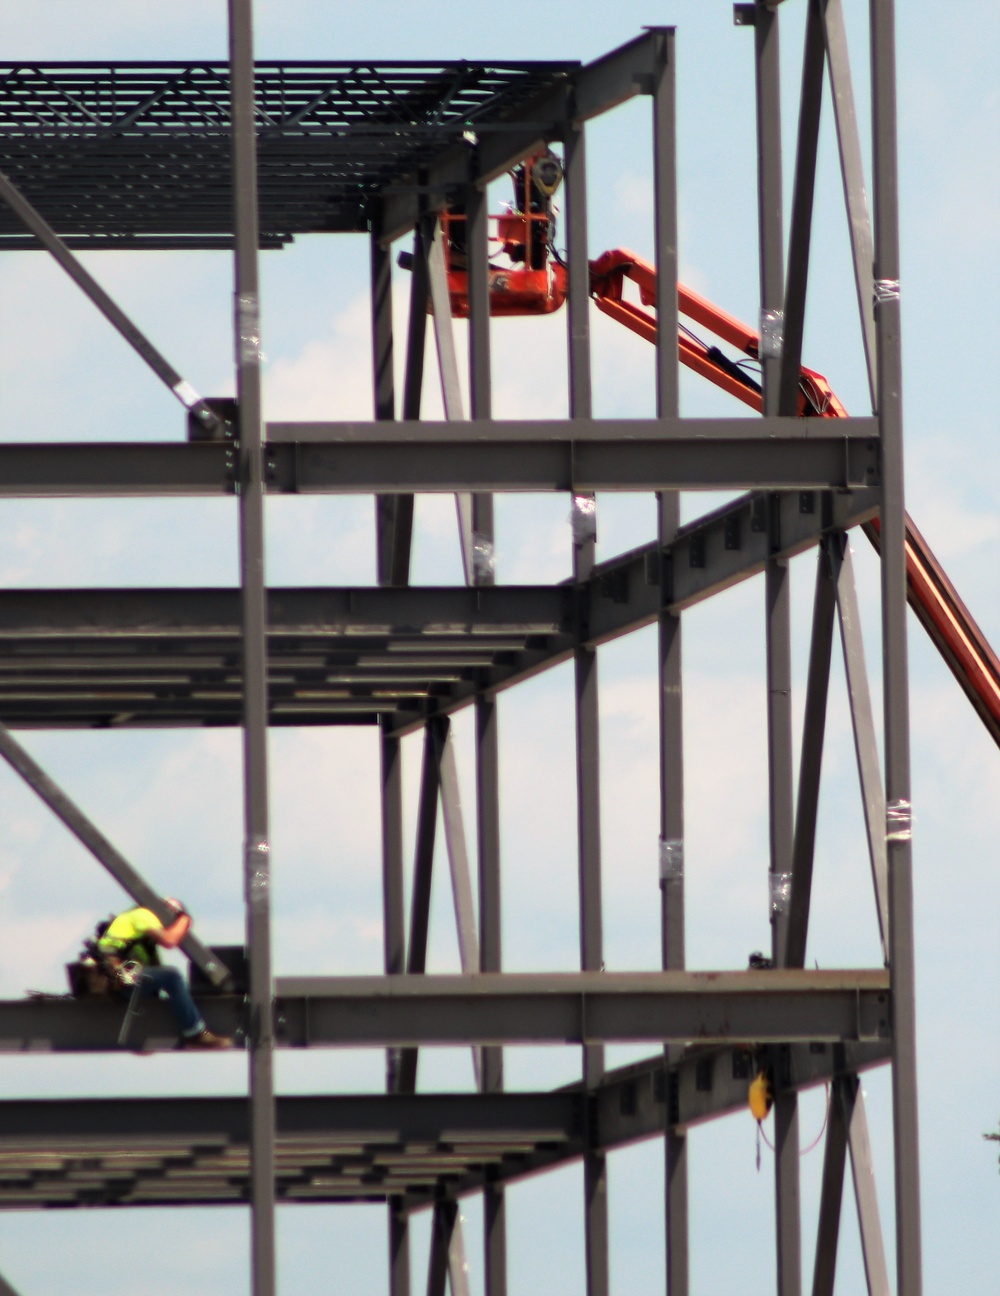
x,y
205,1039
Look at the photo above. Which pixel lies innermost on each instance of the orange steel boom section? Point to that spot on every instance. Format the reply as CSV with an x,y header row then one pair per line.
x,y
542,289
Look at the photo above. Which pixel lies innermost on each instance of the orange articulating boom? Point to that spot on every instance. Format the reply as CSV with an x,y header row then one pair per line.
x,y
535,282
930,593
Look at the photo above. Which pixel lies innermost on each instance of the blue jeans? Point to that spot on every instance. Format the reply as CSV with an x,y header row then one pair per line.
x,y
172,984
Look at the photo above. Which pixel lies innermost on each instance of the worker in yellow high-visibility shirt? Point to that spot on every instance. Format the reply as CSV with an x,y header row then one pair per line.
x,y
130,946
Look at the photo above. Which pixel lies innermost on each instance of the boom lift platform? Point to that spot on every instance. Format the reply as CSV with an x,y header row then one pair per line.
x,y
535,283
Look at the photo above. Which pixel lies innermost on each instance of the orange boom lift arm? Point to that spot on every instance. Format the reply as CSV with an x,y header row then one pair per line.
x,y
534,282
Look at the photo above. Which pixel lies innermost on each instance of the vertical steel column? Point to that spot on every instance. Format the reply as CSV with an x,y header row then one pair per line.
x,y
384,393
779,711
490,960
894,660
810,763
587,723
387,522
256,847
670,677
480,387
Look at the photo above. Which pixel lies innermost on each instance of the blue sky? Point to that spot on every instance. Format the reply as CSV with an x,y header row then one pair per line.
x,y
170,801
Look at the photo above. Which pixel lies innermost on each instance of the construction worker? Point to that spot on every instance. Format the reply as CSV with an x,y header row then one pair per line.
x,y
130,947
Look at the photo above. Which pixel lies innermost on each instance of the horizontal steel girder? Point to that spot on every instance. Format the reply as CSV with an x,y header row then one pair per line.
x,y
358,458
571,1008
180,1151
573,455
134,658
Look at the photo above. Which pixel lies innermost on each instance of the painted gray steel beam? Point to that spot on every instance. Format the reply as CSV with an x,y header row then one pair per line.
x,y
112,312
631,1104
490,960
387,507
778,610
257,862
572,1008
104,852
810,764
863,1174
586,709
894,652
442,1227
863,725
588,1007
435,734
480,377
671,754
117,469
608,454
393,882
210,614
853,175
799,238
456,843
614,458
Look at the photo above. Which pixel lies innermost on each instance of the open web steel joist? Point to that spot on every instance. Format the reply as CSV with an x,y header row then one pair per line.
x,y
139,155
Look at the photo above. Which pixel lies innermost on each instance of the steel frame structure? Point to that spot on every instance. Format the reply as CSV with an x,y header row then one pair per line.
x,y
404,658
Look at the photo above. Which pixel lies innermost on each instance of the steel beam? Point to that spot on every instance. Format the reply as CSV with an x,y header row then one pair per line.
x,y
671,755
388,521
399,1248
435,734
116,317
586,1008
631,1104
778,609
863,1172
571,1008
257,861
480,385
831,1200
810,102
894,653
328,458
442,1228
810,764
461,877
853,175
451,389
863,724
490,960
607,455
90,836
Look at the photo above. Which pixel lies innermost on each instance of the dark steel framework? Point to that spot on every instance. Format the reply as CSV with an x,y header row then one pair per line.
x,y
109,156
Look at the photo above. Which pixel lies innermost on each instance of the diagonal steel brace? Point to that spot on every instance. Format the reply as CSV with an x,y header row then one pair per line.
x,y
103,851
50,240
